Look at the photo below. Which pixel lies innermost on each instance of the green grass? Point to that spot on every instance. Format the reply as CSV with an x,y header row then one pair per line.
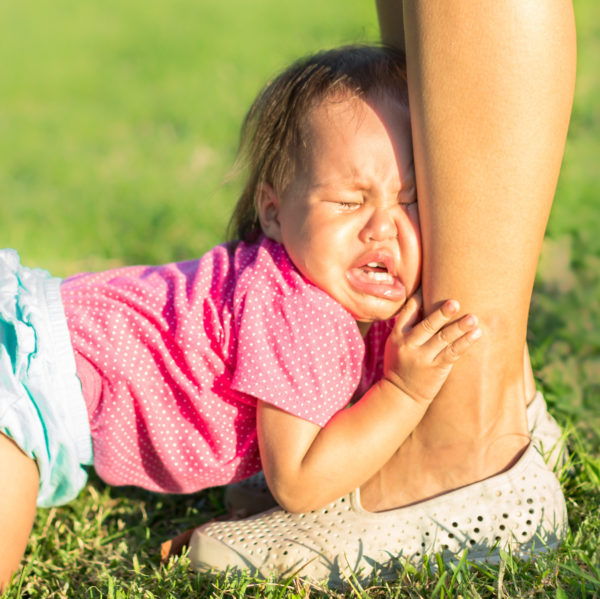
x,y
118,126
119,120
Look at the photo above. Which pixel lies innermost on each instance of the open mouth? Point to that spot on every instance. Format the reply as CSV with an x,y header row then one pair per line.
x,y
377,271
375,277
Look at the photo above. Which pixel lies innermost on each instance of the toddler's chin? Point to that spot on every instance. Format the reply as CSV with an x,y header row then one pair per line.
x,y
379,312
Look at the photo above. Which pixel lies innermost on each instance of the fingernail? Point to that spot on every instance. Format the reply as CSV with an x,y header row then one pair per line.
x,y
452,306
475,333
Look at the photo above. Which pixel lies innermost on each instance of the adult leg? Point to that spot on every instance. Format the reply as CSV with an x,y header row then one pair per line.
x,y
19,477
491,88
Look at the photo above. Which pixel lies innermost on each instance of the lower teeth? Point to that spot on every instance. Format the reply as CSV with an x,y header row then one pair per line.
x,y
380,277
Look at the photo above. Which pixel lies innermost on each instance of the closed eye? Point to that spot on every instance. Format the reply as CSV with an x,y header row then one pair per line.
x,y
407,199
344,205
407,195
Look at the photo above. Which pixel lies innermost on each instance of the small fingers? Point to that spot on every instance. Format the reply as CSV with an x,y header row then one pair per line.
x,y
410,312
431,325
461,342
451,332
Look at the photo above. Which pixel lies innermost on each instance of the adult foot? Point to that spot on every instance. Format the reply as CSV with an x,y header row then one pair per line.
x,y
522,509
459,441
251,496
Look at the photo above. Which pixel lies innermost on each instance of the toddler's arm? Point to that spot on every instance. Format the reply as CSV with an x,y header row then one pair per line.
x,y
307,466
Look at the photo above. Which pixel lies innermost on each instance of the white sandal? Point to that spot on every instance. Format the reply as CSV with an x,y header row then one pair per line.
x,y
252,495
522,510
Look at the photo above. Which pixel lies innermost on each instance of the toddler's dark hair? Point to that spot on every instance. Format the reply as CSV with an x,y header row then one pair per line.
x,y
274,131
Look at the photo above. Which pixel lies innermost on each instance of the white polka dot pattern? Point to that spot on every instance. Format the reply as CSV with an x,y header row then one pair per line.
x,y
173,357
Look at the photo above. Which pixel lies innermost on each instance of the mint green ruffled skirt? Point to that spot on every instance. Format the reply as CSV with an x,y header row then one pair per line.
x,y
42,408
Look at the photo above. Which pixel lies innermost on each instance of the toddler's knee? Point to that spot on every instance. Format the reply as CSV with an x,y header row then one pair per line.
x,y
13,542
19,481
6,575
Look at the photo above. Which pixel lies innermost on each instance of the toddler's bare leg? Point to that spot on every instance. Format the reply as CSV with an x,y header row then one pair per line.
x,y
19,480
491,87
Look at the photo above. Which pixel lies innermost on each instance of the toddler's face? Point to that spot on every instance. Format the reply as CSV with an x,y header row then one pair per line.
x,y
350,222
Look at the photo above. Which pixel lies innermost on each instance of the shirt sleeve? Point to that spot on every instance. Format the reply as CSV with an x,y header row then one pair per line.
x,y
299,351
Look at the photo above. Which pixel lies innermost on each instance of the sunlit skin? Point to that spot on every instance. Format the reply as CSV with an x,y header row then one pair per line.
x,y
350,222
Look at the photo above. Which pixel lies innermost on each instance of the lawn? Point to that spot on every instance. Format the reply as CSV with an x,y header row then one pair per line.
x,y
118,129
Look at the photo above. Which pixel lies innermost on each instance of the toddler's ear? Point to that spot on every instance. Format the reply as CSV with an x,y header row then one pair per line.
x,y
267,207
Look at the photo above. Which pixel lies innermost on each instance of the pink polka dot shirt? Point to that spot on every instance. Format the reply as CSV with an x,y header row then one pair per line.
x,y
173,358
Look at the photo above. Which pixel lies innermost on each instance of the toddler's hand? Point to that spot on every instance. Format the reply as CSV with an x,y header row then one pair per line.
x,y
419,357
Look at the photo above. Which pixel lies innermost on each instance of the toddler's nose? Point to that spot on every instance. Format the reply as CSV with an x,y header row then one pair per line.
x,y
381,226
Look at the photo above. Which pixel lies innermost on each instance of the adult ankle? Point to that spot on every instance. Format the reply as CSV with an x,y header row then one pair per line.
x,y
420,471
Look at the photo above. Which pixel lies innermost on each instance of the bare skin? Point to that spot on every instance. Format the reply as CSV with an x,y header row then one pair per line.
x,y
356,204
17,505
491,87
